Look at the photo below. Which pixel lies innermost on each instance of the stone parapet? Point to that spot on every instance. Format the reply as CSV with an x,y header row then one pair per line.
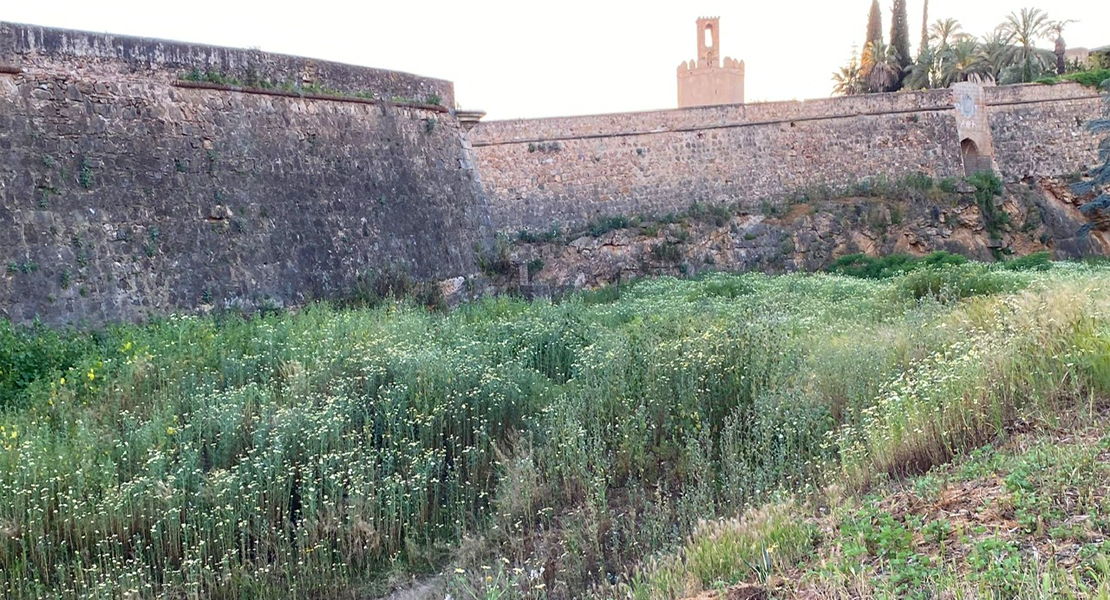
x,y
48,48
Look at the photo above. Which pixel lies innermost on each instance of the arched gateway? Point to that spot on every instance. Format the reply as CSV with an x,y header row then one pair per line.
x,y
974,161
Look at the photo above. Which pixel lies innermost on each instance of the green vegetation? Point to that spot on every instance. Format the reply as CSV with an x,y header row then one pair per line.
x,y
911,188
716,214
600,227
84,174
602,446
530,237
940,275
1026,519
1038,261
26,267
1094,78
987,187
210,76
947,54
900,39
869,267
666,252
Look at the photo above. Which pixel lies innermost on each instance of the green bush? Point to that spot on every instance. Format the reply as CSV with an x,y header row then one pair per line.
x,y
35,353
600,227
1038,261
666,252
920,181
987,187
869,267
1093,78
948,283
716,214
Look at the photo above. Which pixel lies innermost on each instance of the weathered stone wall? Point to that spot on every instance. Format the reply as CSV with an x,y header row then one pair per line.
x,y
571,170
125,192
122,195
1041,130
31,47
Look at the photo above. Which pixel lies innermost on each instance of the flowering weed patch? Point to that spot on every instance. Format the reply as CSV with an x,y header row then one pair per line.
x,y
314,454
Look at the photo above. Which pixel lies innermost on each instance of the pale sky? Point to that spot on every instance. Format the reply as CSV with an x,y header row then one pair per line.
x,y
528,58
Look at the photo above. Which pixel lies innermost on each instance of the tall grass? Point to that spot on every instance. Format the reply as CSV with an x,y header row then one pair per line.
x,y
312,454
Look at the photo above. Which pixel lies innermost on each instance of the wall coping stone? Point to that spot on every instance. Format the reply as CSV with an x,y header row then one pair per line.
x,y
567,128
24,44
204,85
710,127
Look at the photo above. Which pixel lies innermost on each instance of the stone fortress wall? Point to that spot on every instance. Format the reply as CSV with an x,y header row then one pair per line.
x,y
569,171
125,192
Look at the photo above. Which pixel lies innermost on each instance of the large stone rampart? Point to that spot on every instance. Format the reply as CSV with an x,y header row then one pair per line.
x,y
571,170
140,176
124,195
1040,130
95,54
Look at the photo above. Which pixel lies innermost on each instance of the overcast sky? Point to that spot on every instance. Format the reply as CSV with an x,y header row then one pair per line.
x,y
529,58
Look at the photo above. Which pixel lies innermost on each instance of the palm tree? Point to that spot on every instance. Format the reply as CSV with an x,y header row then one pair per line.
x,y
849,79
1026,28
943,31
921,74
963,60
883,59
1056,28
997,51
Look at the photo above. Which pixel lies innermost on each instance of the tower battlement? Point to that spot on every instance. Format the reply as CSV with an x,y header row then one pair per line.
x,y
704,81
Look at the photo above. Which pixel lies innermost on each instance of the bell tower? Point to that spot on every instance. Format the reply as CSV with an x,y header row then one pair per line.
x,y
705,81
709,39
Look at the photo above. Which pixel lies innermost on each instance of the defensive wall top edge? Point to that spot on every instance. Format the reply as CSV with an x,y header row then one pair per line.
x,y
29,46
516,130
708,117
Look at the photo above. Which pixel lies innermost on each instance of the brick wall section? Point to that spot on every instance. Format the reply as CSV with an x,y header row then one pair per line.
x,y
570,170
122,196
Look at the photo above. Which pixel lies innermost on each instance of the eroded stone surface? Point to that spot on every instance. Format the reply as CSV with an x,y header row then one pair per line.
x,y
122,196
808,237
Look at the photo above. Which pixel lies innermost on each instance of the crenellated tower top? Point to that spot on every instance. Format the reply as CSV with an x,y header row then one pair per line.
x,y
704,80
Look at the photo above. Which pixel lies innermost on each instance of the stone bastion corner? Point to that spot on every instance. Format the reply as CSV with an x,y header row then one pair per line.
x,y
130,189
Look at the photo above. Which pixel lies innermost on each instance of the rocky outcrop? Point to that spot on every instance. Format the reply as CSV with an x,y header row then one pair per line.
x,y
809,234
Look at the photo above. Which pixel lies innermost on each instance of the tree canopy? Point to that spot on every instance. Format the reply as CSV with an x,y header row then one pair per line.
x,y
947,54
900,39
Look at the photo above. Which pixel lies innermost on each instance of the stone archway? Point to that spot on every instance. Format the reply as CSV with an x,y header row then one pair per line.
x,y
974,161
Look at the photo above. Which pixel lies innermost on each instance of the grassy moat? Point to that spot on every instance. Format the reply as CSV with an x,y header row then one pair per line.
x,y
941,433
